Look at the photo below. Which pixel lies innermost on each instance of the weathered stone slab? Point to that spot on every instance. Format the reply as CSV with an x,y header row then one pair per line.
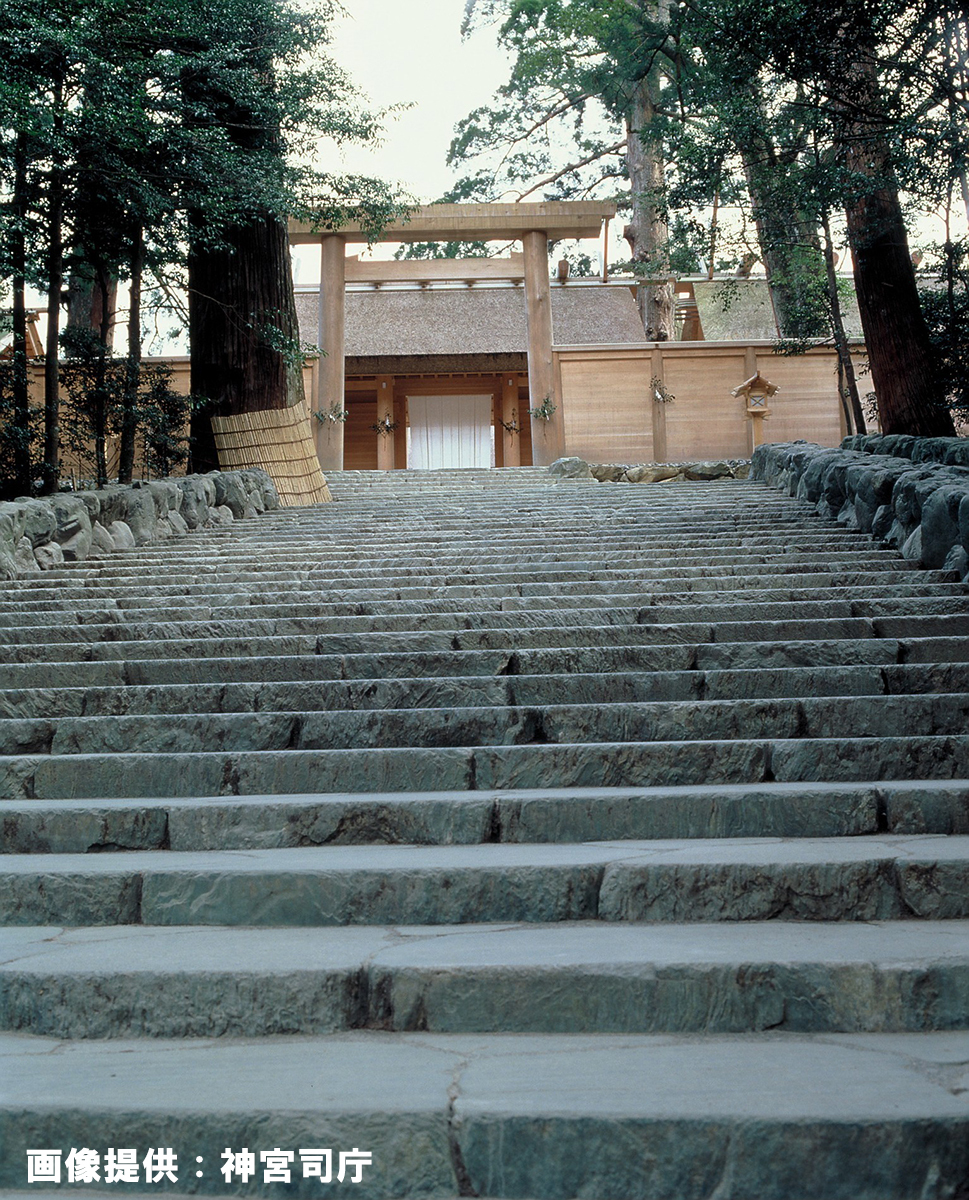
x,y
581,978
849,1117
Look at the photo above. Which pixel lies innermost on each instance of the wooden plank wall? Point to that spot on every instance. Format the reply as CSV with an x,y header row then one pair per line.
x,y
610,414
605,404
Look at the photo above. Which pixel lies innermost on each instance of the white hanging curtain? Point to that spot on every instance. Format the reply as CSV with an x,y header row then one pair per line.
x,y
449,431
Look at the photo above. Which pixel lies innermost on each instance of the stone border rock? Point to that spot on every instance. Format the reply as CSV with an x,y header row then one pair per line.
x,y
578,468
953,452
37,534
919,507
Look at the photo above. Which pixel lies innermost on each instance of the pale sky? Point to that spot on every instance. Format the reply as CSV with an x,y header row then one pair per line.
x,y
411,52
400,51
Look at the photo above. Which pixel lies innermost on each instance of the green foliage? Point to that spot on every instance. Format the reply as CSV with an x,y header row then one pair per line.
x,y
269,327
689,244
557,127
93,391
945,302
432,250
544,412
12,437
162,416
335,414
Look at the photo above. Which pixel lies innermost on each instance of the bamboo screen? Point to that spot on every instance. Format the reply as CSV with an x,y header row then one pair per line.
x,y
280,440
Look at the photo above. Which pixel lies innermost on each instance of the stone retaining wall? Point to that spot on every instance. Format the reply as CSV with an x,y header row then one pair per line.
x,y
918,505
36,534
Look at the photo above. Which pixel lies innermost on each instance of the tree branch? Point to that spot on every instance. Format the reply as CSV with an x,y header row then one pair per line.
x,y
576,166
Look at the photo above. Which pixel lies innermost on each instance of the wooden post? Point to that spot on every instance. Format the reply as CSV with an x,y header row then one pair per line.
x,y
660,451
511,445
315,388
548,437
757,436
756,427
498,440
750,361
400,433
385,413
329,434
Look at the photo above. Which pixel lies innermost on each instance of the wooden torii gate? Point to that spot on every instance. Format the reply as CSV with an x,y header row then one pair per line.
x,y
531,224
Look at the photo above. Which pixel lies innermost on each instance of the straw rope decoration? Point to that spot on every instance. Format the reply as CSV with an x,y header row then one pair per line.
x,y
280,440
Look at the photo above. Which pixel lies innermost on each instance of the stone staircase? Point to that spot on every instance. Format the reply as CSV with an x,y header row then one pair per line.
x,y
542,838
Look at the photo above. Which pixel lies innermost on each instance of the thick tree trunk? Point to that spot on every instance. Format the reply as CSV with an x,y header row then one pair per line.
x,y
99,395
788,239
89,304
896,336
791,255
647,232
52,347
129,401
900,354
243,329
847,383
20,388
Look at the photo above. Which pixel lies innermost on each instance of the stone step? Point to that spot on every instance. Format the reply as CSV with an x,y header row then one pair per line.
x,y
296,576
303,696
291,660
933,599
907,600
673,647
456,592
857,717
527,524
738,601
369,563
648,1117
474,550
862,878
750,867
198,554
336,633
629,764
482,613
447,818
283,593
664,583
511,568
569,978
253,606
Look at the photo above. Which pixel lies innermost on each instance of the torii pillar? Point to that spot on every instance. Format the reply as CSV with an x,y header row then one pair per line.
x,y
548,437
331,374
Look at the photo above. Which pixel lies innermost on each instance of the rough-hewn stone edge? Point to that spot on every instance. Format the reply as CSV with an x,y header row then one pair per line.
x,y
578,468
951,451
37,534
920,508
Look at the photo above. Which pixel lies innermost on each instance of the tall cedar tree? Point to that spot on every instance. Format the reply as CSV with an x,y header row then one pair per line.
x,y
667,110
132,128
575,63
249,84
853,62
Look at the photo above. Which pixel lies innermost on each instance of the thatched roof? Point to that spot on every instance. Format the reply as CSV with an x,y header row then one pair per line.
x,y
473,321
741,310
